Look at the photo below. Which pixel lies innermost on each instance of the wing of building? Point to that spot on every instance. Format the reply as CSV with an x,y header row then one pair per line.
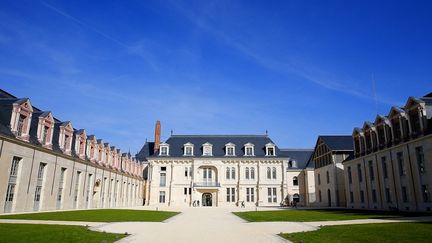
x,y
47,164
392,163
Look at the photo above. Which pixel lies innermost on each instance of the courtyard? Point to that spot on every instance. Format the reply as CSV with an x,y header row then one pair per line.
x,y
216,224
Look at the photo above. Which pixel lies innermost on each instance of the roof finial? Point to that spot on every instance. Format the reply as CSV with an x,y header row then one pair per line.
x,y
171,132
266,132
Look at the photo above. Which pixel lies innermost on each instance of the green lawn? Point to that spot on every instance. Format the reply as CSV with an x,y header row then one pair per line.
x,y
387,232
100,215
53,233
317,215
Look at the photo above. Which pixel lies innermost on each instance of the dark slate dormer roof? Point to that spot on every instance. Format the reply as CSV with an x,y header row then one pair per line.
x,y
301,156
176,143
429,95
338,142
146,151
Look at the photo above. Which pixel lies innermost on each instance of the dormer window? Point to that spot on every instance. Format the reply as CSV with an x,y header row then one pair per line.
x,y
292,164
188,149
65,137
45,127
270,149
80,139
164,149
21,118
229,149
249,149
207,149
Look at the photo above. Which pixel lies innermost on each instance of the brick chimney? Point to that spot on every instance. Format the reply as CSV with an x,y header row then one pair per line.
x,y
157,136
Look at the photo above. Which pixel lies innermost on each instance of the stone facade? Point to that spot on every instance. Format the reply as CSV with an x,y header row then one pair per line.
x,y
45,164
392,164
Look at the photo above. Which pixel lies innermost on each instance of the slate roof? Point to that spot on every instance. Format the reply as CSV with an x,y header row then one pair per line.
x,y
301,156
145,152
338,142
176,143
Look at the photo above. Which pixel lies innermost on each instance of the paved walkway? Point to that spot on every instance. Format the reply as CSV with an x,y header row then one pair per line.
x,y
209,225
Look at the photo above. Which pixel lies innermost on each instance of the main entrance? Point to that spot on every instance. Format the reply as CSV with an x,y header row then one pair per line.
x,y
207,199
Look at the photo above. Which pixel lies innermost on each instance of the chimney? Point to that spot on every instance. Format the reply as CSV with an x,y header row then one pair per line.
x,y
157,136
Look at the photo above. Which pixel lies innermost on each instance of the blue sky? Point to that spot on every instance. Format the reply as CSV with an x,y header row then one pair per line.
x,y
295,68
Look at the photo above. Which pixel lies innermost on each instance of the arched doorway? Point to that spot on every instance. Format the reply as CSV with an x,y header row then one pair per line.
x,y
296,198
207,199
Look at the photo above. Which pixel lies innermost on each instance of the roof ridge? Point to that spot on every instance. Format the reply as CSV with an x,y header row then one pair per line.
x,y
219,135
296,149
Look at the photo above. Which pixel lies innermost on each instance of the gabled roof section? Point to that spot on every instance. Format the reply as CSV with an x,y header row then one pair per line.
x,y
146,151
176,143
338,142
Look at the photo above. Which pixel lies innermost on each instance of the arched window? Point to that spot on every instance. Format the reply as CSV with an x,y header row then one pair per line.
x,y
274,173
268,173
252,173
247,173
295,181
228,173
232,173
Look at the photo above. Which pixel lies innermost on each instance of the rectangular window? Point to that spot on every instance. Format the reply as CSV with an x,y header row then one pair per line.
x,y
41,171
14,166
374,196
351,197
230,151
164,150
10,192
45,134
384,167
249,151
371,171
420,159
274,195
20,126
186,172
319,179
252,194
231,194
349,175
77,180
404,194
269,195
361,196
247,195
190,190
38,191
359,172
185,191
162,182
161,197
426,194
401,163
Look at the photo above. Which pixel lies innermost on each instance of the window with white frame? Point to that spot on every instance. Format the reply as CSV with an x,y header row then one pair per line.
x,y
233,173
270,149
250,194
207,149
249,149
230,194
274,173
164,149
268,173
271,195
229,149
252,173
247,173
161,197
188,149
228,173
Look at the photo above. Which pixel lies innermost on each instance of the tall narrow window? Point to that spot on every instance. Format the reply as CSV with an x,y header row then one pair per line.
x,y
359,173
371,171
328,177
247,173
252,173
420,159
425,193
274,173
401,163
60,188
233,173
374,196
41,171
20,126
404,194
247,194
14,166
362,198
162,182
268,173
388,195
384,167
349,175
228,173
161,197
